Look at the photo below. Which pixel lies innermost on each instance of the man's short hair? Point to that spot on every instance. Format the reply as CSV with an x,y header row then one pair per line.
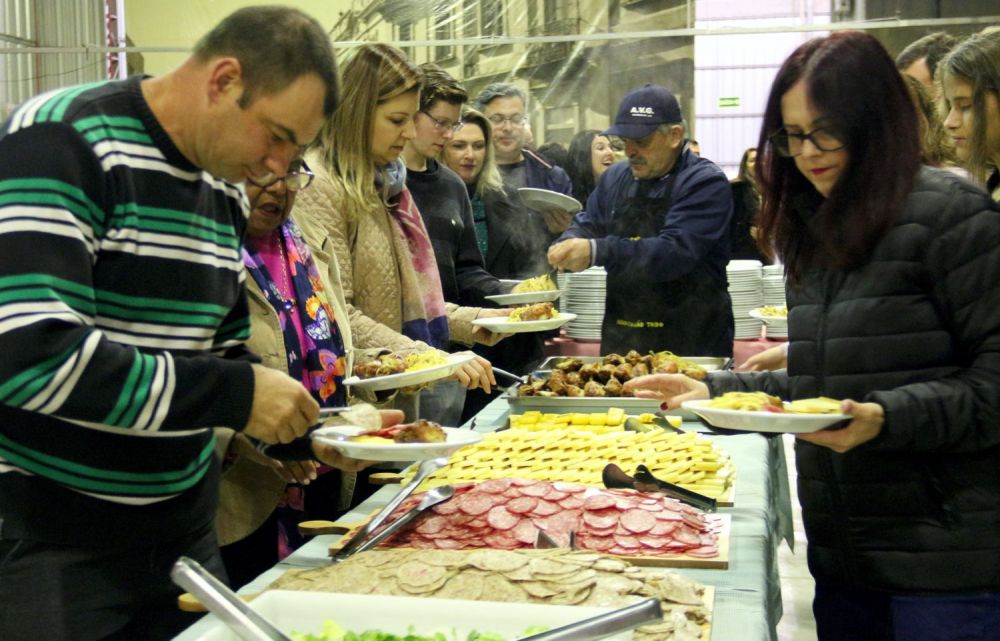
x,y
440,85
499,90
933,47
275,46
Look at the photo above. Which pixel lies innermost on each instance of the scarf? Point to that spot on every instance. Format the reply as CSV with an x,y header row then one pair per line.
x,y
423,310
322,355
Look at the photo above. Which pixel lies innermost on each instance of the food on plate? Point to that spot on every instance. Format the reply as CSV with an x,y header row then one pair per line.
x,y
574,377
747,401
538,311
777,311
539,448
387,364
537,284
333,632
508,513
422,431
762,402
528,576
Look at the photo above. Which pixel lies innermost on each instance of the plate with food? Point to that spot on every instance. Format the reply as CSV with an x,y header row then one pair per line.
x,y
771,314
540,289
760,412
415,441
539,317
393,371
546,199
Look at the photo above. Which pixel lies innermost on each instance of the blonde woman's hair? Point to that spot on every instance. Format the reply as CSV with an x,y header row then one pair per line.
x,y
489,179
375,73
977,62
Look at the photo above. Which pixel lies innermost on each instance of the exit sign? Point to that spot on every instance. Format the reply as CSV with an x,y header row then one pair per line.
x,y
733,101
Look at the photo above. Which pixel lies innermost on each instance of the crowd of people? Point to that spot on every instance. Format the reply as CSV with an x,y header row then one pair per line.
x,y
190,279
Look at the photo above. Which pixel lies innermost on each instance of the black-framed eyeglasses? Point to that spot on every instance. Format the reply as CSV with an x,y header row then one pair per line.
x,y
294,180
515,119
441,125
790,144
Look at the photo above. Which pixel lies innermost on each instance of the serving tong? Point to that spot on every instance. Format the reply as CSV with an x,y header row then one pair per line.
x,y
250,625
644,481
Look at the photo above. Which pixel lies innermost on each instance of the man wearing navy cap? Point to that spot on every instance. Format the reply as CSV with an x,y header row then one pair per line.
x,y
659,225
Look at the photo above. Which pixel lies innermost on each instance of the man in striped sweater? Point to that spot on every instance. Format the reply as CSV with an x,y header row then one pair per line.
x,y
123,317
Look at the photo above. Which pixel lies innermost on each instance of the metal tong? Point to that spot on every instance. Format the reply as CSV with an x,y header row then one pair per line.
x,y
426,468
249,624
604,625
437,495
644,481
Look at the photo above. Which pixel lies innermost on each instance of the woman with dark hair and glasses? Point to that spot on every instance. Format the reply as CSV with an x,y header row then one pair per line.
x,y
300,325
893,291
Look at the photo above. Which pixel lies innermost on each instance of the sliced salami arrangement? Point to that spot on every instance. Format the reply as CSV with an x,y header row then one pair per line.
x,y
507,514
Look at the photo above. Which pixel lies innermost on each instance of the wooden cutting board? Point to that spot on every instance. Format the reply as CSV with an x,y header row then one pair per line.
x,y
721,524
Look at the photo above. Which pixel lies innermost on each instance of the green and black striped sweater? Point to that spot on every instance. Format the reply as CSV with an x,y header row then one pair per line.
x,y
122,322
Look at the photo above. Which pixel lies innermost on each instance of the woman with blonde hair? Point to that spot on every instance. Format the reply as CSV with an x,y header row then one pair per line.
x,y
359,201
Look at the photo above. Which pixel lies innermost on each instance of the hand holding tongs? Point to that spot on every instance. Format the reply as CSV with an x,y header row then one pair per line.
x,y
644,481
426,468
249,624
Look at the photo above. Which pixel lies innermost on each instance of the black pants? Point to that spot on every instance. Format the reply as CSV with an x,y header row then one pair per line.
x,y
70,593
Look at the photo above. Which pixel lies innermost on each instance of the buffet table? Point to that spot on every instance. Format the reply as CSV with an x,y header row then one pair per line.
x,y
748,594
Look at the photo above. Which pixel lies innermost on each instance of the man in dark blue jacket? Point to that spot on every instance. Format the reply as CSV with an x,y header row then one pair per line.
x,y
659,225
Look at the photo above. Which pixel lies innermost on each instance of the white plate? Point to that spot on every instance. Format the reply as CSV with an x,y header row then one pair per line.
x,y
770,320
546,199
406,379
456,438
306,612
762,421
501,325
526,298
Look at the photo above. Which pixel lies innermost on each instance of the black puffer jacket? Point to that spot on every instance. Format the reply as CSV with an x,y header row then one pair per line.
x,y
916,330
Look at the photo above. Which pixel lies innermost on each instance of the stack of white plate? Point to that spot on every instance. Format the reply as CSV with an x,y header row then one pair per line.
x,y
745,291
773,286
583,295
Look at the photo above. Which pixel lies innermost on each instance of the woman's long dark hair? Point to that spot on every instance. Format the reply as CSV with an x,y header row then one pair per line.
x,y
578,165
851,80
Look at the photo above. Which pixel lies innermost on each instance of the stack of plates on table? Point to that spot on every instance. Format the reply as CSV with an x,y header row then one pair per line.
x,y
773,286
745,291
583,295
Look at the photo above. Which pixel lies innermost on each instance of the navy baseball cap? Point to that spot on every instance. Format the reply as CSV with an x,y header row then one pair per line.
x,y
644,109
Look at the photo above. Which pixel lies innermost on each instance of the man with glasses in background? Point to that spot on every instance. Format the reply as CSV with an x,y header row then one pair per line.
x,y
125,317
505,105
659,225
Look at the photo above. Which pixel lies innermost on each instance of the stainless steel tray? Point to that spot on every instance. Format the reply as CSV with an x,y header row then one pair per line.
x,y
562,404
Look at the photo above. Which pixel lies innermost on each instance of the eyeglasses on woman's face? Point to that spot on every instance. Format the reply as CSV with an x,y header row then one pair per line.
x,y
443,125
296,180
789,144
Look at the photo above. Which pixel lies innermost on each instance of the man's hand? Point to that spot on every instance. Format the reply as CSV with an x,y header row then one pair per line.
x,y
556,220
282,409
484,336
673,389
301,472
572,255
866,425
330,456
476,373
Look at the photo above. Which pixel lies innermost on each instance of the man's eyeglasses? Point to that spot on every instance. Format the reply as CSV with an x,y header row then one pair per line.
x,y
790,144
515,119
294,180
442,125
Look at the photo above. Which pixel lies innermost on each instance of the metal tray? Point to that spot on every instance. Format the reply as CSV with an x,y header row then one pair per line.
x,y
562,404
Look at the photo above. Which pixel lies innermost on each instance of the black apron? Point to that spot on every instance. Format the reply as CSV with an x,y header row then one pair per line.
x,y
689,316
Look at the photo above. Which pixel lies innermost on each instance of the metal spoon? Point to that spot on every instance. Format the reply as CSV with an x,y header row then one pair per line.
x,y
604,625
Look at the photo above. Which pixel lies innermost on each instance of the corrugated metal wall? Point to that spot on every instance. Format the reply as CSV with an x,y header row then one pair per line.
x,y
48,23
733,73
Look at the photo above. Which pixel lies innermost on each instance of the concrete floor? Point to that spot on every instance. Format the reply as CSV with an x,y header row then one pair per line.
x,y
796,583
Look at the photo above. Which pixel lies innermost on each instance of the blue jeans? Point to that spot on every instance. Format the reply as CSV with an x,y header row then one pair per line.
x,y
859,615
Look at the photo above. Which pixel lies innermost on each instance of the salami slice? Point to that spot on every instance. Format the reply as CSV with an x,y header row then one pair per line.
x,y
705,551
638,521
448,544
569,488
650,507
501,541
663,528
570,503
555,495
653,542
597,543
544,508
599,521
668,515
474,503
523,482
598,502
494,486
626,541
501,519
446,508
431,525
522,504
525,532
537,490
